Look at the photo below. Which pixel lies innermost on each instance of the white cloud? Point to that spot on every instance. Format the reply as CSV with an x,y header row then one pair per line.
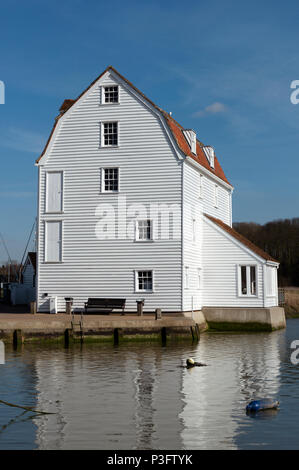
x,y
214,108
22,140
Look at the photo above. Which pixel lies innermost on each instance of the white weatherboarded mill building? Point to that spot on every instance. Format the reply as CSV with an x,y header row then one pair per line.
x,y
132,205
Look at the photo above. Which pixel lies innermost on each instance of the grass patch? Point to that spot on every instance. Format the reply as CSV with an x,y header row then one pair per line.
x,y
291,306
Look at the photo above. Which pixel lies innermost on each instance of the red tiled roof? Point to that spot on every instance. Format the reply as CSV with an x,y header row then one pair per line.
x,y
175,128
242,239
177,131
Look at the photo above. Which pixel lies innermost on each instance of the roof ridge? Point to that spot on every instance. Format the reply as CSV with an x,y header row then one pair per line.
x,y
183,145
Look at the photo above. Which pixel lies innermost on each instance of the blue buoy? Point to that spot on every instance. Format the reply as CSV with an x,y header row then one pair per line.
x,y
260,405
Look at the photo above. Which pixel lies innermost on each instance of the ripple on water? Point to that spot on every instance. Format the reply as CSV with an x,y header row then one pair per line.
x,y
138,396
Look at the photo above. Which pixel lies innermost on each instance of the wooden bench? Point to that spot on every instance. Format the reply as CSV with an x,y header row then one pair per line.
x,y
105,305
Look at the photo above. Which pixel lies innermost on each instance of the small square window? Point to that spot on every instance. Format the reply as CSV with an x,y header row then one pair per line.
x,y
110,94
110,134
110,180
144,281
144,230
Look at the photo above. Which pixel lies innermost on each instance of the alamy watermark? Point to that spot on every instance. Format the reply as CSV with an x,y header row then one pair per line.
x,y
2,92
294,98
295,354
2,353
155,221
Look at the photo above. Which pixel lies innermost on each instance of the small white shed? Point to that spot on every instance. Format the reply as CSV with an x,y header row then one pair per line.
x,y
29,270
25,292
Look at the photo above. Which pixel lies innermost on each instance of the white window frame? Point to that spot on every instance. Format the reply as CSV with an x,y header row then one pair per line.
x,y
186,277
200,190
61,241
194,226
193,142
137,232
248,280
102,135
271,276
103,101
145,291
216,195
199,278
103,190
62,192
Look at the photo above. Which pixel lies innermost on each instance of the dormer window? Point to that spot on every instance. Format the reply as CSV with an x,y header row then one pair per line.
x,y
191,139
210,154
110,94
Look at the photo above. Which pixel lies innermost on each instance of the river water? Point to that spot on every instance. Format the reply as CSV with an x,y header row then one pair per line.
x,y
137,396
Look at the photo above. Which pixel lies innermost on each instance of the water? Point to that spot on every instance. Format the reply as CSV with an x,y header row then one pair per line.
x,y
136,396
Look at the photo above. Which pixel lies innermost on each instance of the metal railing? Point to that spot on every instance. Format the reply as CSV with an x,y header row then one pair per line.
x,y
281,296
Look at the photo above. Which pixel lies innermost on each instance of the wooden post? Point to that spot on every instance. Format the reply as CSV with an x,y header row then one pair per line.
x,y
140,304
33,308
68,308
67,335
158,314
116,336
163,335
17,338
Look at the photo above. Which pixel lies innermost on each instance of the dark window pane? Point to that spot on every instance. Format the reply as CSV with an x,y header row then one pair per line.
x,y
252,280
243,280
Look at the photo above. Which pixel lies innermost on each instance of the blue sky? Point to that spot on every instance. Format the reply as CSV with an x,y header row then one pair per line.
x,y
222,68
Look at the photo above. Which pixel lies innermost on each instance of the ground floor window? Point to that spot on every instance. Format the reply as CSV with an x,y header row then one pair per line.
x,y
144,281
247,280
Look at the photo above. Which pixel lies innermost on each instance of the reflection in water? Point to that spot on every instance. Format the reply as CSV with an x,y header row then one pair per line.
x,y
144,411
265,414
137,396
107,398
240,368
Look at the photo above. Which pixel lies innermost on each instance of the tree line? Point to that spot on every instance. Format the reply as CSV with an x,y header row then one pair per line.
x,y
279,238
9,272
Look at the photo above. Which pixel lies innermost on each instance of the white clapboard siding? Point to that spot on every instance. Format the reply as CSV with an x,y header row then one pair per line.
x,y
221,257
149,173
192,246
271,286
223,210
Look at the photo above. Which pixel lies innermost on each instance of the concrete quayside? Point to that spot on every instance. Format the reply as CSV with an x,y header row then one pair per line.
x,y
65,328
22,328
